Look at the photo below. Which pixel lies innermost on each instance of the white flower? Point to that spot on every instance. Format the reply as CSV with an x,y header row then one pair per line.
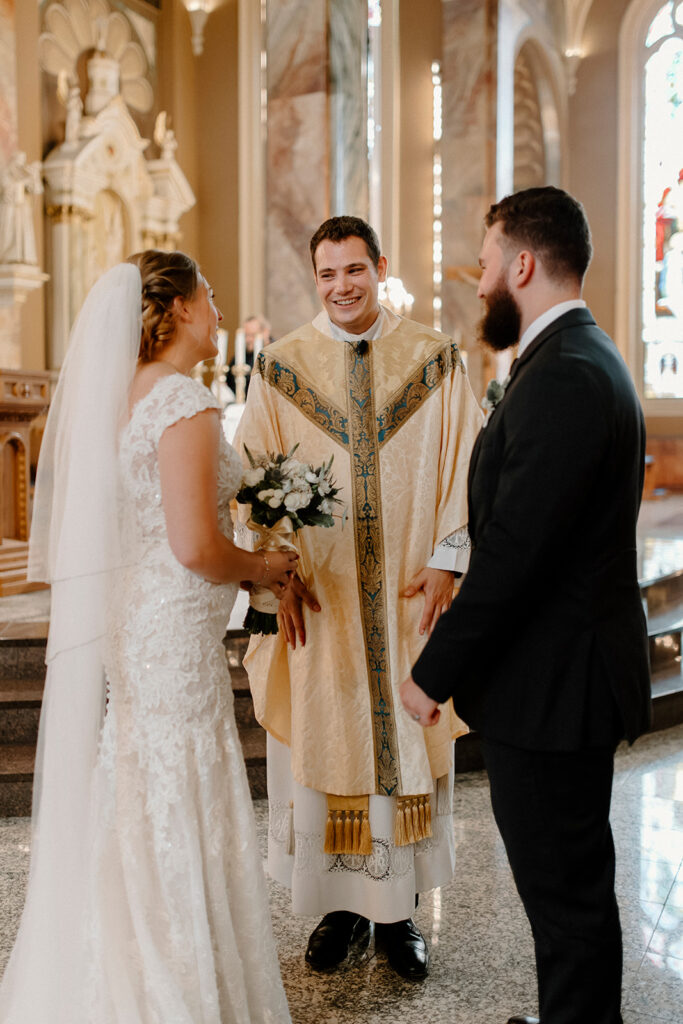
x,y
265,495
254,476
324,487
326,506
292,467
298,499
276,499
311,477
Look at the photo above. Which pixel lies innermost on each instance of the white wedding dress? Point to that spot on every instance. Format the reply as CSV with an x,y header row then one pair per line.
x,y
178,923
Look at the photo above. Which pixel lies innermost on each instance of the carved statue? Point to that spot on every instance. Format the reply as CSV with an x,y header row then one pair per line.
x,y
69,93
19,182
165,136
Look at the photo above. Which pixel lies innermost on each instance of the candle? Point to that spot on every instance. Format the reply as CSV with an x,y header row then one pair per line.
x,y
240,348
222,345
258,345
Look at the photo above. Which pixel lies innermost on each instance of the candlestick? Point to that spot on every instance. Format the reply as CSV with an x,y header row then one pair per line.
x,y
240,347
222,346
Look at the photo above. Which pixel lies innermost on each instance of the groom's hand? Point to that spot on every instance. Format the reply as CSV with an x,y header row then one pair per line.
x,y
437,587
419,706
290,616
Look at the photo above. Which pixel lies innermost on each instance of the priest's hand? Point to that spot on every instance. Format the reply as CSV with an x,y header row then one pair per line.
x,y
290,615
437,587
419,706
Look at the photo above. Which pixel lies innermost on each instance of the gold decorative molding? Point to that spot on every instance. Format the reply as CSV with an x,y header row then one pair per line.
x,y
67,213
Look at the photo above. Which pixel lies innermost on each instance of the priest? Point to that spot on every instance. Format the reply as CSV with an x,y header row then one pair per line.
x,y
360,796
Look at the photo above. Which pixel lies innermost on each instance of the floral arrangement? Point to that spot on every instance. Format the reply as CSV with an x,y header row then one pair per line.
x,y
495,390
285,495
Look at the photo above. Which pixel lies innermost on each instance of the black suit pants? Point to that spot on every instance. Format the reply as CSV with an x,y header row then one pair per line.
x,y
552,809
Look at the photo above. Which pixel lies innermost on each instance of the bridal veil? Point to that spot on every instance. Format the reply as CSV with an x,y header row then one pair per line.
x,y
74,546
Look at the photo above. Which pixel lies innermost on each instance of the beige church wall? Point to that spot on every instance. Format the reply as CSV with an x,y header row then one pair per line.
x,y
178,74
217,159
593,151
32,323
420,31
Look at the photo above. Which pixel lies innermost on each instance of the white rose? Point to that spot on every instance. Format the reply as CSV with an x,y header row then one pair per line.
x,y
276,499
254,476
298,499
311,477
324,487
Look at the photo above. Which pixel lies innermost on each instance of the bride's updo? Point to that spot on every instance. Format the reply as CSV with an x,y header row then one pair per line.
x,y
165,275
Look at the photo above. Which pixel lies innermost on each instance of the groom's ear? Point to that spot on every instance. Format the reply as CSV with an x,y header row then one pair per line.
x,y
523,267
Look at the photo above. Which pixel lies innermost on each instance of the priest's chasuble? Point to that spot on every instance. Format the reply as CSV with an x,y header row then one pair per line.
x,y
399,417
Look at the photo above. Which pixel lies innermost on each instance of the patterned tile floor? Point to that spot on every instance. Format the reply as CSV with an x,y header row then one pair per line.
x,y
482,958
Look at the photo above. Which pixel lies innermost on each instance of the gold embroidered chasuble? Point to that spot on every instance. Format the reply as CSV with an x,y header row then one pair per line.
x,y
400,418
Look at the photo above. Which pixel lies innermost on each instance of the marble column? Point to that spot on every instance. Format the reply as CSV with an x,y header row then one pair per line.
x,y
10,321
469,163
348,44
316,159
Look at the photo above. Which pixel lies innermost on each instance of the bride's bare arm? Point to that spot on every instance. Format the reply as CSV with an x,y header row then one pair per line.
x,y
188,467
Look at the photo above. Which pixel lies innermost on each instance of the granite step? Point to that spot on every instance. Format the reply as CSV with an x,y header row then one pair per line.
x,y
22,679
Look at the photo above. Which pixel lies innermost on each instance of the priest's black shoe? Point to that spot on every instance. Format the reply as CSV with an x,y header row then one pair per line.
x,y
405,947
331,941
524,1020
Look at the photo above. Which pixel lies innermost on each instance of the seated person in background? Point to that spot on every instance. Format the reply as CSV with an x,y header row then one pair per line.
x,y
254,327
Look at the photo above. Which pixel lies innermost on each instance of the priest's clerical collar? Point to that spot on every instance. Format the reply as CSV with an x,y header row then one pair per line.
x,y
381,326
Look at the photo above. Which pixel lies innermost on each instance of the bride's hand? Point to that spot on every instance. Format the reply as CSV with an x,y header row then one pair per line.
x,y
278,568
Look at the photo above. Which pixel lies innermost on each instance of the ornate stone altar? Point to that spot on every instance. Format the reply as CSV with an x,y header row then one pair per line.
x,y
104,200
24,395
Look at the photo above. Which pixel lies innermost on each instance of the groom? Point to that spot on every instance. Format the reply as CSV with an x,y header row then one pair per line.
x,y
544,650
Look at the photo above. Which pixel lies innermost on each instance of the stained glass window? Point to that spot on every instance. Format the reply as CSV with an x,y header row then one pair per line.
x,y
662,225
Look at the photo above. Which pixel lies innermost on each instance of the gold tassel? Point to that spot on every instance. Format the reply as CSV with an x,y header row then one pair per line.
x,y
400,838
356,832
407,814
365,836
348,832
348,826
329,834
416,819
413,819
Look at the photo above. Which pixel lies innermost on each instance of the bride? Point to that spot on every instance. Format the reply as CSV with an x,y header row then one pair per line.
x,y
146,900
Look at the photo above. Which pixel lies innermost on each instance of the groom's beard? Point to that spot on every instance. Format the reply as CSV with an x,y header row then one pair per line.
x,y
500,326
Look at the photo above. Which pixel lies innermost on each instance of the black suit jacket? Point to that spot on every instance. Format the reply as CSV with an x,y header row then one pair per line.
x,y
545,646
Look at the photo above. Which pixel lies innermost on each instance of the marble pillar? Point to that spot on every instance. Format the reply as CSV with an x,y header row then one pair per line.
x,y
316,151
348,45
297,156
469,164
10,321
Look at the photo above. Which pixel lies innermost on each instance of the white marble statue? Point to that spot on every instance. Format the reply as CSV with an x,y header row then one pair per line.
x,y
18,183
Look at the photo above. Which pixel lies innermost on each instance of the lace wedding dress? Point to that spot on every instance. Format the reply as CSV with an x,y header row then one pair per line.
x,y
178,923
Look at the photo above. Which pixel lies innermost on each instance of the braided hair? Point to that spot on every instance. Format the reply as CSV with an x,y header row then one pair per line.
x,y
165,276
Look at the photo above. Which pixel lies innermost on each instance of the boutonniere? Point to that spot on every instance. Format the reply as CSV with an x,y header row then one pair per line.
x,y
495,390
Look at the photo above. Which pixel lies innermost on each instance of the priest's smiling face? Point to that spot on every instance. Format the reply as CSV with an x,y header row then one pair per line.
x,y
347,282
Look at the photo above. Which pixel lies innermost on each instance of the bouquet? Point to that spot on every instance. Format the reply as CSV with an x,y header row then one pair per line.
x,y
284,495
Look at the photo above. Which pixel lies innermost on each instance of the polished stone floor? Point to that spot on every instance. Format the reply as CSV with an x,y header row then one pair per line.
x,y
482,960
